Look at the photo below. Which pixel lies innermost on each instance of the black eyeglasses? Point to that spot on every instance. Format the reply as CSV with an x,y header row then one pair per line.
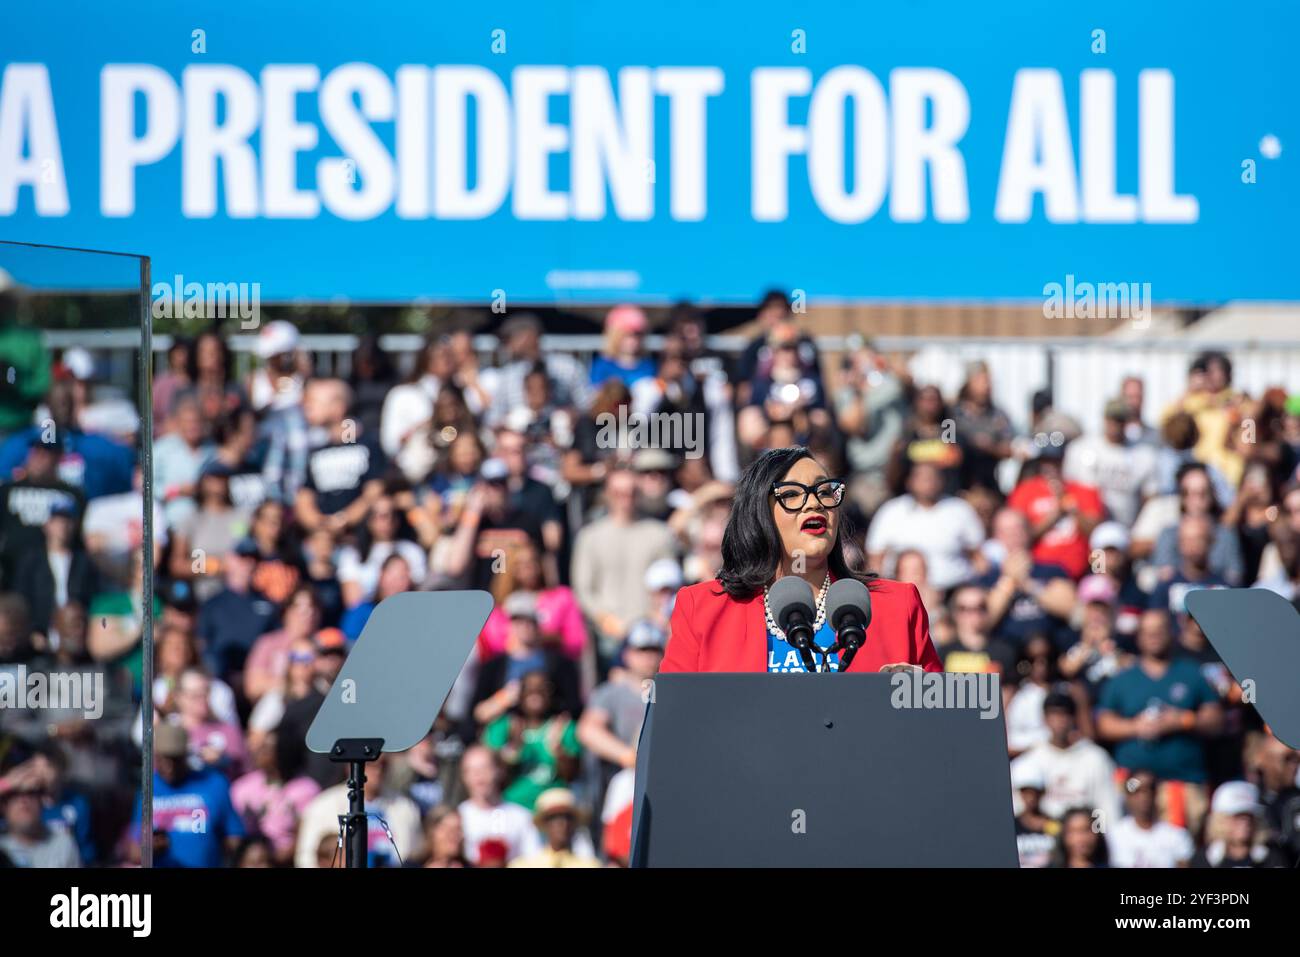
x,y
793,496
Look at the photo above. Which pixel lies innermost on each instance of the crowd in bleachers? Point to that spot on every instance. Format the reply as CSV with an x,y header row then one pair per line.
x,y
287,504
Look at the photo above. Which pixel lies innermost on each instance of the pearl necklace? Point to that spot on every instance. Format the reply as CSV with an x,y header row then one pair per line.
x,y
817,622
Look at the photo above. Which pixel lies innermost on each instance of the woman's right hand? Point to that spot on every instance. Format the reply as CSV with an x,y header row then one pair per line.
x,y
508,696
475,500
900,666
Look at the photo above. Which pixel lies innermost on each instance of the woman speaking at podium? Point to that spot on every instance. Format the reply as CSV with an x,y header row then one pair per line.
x,y
786,521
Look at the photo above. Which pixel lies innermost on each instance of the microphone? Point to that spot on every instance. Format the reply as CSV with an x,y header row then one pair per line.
x,y
848,609
791,601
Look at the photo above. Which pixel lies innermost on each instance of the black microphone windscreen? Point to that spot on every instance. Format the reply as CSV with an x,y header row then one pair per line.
x,y
790,594
845,596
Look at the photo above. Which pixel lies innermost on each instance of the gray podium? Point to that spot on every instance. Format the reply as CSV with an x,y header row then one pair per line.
x,y
757,770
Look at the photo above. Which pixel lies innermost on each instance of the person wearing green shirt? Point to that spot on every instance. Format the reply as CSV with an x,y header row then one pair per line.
x,y
117,626
540,749
24,375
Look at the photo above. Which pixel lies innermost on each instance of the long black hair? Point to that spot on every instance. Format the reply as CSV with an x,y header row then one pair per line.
x,y
1100,856
751,544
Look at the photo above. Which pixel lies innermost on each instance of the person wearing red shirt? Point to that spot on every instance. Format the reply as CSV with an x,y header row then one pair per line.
x,y
1061,513
785,520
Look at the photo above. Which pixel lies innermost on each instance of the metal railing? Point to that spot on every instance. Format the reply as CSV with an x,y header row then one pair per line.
x,y
1082,372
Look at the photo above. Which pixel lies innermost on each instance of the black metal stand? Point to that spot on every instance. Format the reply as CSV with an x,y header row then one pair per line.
x,y
355,752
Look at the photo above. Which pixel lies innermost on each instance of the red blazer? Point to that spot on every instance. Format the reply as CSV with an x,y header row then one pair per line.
x,y
715,632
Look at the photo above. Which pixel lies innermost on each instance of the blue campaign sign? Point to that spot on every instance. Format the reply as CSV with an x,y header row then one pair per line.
x,y
599,151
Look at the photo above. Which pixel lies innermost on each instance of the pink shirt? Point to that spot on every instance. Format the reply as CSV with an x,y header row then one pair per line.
x,y
227,740
557,614
270,654
273,809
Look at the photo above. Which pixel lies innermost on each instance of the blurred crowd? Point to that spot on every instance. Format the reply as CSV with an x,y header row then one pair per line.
x,y
288,503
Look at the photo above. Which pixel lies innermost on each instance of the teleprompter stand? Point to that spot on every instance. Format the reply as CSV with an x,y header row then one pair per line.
x,y
391,687
355,753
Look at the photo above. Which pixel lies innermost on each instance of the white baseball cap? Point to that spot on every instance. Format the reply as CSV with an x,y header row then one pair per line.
x,y
79,362
493,470
1026,776
664,573
277,338
519,419
1236,797
1109,535
646,634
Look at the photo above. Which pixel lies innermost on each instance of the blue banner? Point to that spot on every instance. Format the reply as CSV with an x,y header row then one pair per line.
x,y
602,151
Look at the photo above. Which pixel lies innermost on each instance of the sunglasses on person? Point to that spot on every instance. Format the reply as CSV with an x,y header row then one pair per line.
x,y
793,496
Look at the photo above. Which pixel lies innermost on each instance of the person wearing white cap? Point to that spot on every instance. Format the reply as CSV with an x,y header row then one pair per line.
x,y
278,384
611,723
662,579
1109,535
1236,814
1111,542
1035,831
79,363
276,391
99,408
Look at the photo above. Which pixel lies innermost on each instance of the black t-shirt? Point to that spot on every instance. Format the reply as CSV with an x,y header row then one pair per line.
x,y
291,737
228,624
586,439
1025,617
535,498
337,472
1034,847
247,488
496,537
25,507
